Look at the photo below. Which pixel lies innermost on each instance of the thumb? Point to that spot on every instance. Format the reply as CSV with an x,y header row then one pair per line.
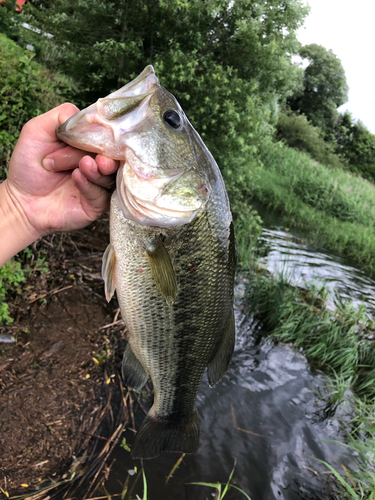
x,y
43,127
66,110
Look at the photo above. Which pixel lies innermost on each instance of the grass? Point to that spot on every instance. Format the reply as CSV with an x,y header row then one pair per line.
x,y
335,206
358,418
334,191
220,493
340,344
335,341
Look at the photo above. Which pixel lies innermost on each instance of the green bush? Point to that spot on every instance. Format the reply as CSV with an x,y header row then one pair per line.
x,y
357,145
297,132
9,19
11,275
26,90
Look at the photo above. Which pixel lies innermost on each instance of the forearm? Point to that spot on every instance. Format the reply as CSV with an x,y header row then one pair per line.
x,y
15,231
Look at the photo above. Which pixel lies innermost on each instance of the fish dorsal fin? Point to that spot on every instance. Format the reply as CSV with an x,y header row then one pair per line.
x,y
162,269
221,361
108,272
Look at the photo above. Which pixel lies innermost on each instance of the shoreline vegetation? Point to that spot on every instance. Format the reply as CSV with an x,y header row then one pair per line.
x,y
235,110
335,207
339,343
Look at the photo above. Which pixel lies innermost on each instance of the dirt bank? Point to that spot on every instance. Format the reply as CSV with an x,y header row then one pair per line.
x,y
57,380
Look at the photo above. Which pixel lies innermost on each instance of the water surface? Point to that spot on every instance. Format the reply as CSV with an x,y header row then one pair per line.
x,y
265,414
290,252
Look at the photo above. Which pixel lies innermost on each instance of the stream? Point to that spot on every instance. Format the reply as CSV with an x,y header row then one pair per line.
x,y
265,414
291,255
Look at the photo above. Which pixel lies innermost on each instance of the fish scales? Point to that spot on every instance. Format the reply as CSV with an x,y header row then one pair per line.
x,y
172,254
185,331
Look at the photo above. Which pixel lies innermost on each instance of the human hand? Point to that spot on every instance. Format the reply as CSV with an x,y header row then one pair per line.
x,y
55,187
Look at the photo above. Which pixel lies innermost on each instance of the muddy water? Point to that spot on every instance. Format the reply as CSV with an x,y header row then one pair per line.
x,y
265,414
292,255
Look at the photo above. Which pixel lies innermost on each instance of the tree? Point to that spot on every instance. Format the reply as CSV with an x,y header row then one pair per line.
x,y
227,61
297,132
8,19
356,144
324,87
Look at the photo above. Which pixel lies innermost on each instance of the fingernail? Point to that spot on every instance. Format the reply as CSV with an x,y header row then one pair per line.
x,y
48,164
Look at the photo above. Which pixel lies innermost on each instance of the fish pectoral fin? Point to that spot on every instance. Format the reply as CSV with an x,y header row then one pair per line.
x,y
161,434
162,269
133,373
108,272
221,361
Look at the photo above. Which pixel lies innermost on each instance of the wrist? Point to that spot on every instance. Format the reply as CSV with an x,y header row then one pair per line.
x,y
16,232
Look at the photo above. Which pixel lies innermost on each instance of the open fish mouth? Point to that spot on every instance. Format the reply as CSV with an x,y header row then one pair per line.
x,y
99,127
159,182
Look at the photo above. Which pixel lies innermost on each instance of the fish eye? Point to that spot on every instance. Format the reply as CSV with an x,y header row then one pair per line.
x,y
172,118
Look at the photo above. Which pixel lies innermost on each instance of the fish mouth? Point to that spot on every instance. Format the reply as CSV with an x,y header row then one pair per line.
x,y
149,199
99,127
150,195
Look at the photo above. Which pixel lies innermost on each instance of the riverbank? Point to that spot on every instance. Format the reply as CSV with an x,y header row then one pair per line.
x,y
335,210
60,392
334,206
338,342
73,316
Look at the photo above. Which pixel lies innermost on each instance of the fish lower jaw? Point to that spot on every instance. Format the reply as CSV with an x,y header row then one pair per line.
x,y
147,213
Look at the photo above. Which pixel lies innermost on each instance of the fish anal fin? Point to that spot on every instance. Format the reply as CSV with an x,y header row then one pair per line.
x,y
221,361
108,272
162,269
133,373
158,435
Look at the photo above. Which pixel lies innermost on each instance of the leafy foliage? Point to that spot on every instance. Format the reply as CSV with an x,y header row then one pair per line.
x,y
324,87
11,275
26,90
227,62
297,132
103,44
356,143
8,19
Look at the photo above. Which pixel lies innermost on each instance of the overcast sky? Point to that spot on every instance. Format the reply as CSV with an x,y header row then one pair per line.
x,y
348,28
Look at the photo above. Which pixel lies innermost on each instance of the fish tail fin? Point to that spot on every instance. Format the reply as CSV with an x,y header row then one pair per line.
x,y
158,434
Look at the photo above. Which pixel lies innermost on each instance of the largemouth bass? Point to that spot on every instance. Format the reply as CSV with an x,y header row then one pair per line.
x,y
171,257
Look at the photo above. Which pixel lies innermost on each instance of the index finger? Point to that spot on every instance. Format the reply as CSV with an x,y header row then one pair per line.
x,y
65,158
106,165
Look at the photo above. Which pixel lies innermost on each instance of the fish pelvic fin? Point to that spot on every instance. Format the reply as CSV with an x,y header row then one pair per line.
x,y
108,272
162,269
157,435
221,361
133,373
